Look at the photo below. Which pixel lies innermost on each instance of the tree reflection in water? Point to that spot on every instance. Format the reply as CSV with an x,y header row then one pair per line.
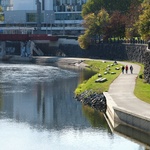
x,y
95,117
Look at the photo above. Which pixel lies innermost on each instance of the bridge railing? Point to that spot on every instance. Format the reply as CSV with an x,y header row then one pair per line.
x,y
26,37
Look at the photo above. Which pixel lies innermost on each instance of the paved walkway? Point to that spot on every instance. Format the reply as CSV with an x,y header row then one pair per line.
x,y
122,93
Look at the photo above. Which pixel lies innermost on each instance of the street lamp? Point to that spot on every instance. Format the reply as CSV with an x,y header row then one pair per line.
x,y
46,22
51,22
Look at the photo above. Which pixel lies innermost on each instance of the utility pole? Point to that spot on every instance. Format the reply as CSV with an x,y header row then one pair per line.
x,y
38,3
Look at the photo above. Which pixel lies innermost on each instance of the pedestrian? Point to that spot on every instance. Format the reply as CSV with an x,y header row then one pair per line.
x,y
123,69
131,69
126,68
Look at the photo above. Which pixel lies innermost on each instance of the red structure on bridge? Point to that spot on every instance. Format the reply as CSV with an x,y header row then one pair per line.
x,y
27,37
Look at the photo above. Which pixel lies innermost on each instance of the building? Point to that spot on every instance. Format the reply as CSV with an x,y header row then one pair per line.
x,y
63,5
6,5
57,17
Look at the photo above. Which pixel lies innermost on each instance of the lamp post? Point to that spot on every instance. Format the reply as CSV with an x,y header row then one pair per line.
x,y
51,22
46,22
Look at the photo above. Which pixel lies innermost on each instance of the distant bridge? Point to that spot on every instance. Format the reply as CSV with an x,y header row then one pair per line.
x,y
27,37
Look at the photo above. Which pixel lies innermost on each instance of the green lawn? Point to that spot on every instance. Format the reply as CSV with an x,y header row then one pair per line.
x,y
141,91
100,68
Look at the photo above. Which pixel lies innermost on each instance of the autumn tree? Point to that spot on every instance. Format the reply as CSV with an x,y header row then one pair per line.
x,y
116,26
143,24
131,18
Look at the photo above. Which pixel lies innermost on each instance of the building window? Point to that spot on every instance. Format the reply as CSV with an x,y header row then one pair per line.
x,y
31,17
68,16
68,5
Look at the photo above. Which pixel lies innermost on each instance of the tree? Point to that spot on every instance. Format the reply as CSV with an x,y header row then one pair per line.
x,y
143,24
84,41
131,19
116,25
123,16
102,22
93,6
1,15
95,27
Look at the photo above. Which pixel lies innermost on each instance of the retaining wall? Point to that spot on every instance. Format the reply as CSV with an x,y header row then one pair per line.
x,y
117,116
134,120
147,66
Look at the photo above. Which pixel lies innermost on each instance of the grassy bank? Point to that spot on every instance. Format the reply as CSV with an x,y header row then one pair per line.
x,y
100,68
142,89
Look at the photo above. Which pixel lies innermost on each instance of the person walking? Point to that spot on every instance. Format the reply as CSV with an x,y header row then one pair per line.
x,y
131,69
126,68
123,69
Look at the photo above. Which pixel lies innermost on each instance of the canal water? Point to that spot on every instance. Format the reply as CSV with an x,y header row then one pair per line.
x,y
38,112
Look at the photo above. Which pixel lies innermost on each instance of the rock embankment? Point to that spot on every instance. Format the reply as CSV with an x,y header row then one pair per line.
x,y
94,100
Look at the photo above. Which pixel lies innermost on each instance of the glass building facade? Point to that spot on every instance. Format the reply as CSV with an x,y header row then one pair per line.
x,y
61,17
6,5
68,5
63,5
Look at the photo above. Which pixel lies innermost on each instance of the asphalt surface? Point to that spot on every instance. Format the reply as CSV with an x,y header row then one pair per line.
x,y
122,93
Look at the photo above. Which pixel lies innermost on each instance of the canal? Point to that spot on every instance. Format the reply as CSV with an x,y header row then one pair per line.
x,y
38,112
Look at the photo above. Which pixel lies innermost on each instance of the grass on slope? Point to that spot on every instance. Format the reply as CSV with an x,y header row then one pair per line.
x,y
142,89
99,67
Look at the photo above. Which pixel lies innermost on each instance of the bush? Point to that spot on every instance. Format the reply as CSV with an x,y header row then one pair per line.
x,y
141,76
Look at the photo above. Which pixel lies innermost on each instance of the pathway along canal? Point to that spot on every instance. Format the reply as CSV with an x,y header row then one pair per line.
x,y
38,112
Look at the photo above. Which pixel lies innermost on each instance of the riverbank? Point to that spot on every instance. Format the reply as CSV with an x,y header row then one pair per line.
x,y
122,106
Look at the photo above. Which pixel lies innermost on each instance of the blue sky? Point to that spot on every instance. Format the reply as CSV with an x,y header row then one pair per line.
x,y
24,4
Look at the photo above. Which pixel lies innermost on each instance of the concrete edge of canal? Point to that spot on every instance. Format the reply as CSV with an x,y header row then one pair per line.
x,y
116,115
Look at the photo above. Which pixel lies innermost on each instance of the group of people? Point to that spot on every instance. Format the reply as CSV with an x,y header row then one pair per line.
x,y
126,68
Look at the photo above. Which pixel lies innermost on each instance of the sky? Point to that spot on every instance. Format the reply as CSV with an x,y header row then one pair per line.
x,y
24,4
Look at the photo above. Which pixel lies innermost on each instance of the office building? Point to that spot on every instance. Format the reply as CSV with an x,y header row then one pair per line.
x,y
58,16
6,5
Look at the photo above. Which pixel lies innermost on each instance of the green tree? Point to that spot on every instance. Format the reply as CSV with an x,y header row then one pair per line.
x,y
143,24
102,22
1,14
93,6
95,26
84,41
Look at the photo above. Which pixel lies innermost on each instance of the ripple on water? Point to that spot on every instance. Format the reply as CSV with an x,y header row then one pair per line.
x,y
16,73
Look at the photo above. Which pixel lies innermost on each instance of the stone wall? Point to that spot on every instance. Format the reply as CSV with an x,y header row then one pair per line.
x,y
147,66
117,51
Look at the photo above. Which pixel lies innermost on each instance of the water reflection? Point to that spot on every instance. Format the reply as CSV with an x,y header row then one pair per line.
x,y
95,118
49,105
38,111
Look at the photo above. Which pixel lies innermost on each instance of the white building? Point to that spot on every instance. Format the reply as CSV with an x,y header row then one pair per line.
x,y
6,5
57,17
